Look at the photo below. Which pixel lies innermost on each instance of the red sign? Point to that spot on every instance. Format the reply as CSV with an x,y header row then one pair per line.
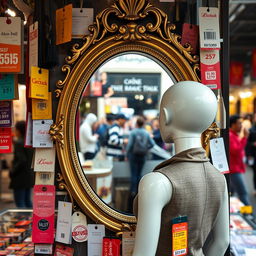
x,y
236,73
254,63
6,140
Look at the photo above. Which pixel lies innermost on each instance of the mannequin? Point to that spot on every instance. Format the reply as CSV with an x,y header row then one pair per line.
x,y
187,109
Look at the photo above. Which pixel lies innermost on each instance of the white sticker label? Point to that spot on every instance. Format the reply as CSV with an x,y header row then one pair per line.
x,y
128,241
95,239
43,248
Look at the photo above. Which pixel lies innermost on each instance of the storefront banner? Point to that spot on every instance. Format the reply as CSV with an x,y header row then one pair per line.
x,y
39,83
6,113
10,45
64,222
190,36
210,69
42,109
218,154
254,63
33,46
6,140
41,137
81,19
44,159
64,24
43,214
8,87
209,28
236,75
95,239
128,242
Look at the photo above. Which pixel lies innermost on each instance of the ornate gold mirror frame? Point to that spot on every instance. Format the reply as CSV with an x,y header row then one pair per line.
x,y
128,26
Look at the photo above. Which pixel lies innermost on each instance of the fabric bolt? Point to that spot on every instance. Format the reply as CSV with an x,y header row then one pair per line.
x,y
198,192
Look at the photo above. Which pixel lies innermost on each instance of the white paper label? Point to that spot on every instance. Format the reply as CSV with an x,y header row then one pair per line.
x,y
44,159
81,19
209,28
79,227
41,137
128,241
44,178
43,248
95,239
28,140
64,221
218,154
33,45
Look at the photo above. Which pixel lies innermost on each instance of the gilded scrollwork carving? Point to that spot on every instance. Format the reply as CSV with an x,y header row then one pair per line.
x,y
134,20
212,132
56,132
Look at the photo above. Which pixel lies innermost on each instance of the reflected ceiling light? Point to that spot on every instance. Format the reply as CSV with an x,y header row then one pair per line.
x,y
11,12
231,98
149,101
141,97
22,86
234,15
244,95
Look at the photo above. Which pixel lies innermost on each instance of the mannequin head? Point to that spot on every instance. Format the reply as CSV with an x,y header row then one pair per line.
x,y
187,109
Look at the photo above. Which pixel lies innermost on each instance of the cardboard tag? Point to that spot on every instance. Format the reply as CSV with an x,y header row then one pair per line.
x,y
218,154
43,214
95,239
29,131
41,137
64,24
209,28
33,46
8,87
79,227
111,246
44,178
180,236
5,140
43,249
39,83
10,45
128,242
44,159
6,113
81,19
190,35
42,109
210,69
62,250
64,221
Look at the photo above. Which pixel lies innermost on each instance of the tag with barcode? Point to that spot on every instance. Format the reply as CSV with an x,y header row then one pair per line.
x,y
43,248
218,154
44,178
209,28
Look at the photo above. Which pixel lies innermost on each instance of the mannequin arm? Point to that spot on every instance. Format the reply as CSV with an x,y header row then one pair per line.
x,y
220,233
155,191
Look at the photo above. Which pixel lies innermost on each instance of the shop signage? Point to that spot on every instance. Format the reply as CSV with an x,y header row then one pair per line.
x,y
5,113
236,75
10,45
6,140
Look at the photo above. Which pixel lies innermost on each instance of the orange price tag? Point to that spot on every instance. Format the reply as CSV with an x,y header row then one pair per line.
x,y
64,24
10,45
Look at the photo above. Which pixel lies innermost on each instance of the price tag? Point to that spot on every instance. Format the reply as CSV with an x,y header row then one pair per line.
x,y
33,46
42,109
79,227
218,154
41,136
8,87
180,236
44,159
209,28
95,239
111,246
39,83
44,178
81,19
128,242
43,249
64,24
64,221
210,69
29,131
43,214
190,35
10,45
62,250
5,113
5,140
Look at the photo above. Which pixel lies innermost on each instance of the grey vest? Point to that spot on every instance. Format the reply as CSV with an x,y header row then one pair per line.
x,y
198,191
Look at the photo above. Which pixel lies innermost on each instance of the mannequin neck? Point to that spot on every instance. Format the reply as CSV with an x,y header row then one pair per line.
x,y
185,143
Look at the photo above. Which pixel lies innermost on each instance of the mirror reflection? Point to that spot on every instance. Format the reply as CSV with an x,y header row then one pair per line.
x,y
117,127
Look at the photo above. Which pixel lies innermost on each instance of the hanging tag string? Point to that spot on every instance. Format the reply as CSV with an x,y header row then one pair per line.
x,y
208,5
81,5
